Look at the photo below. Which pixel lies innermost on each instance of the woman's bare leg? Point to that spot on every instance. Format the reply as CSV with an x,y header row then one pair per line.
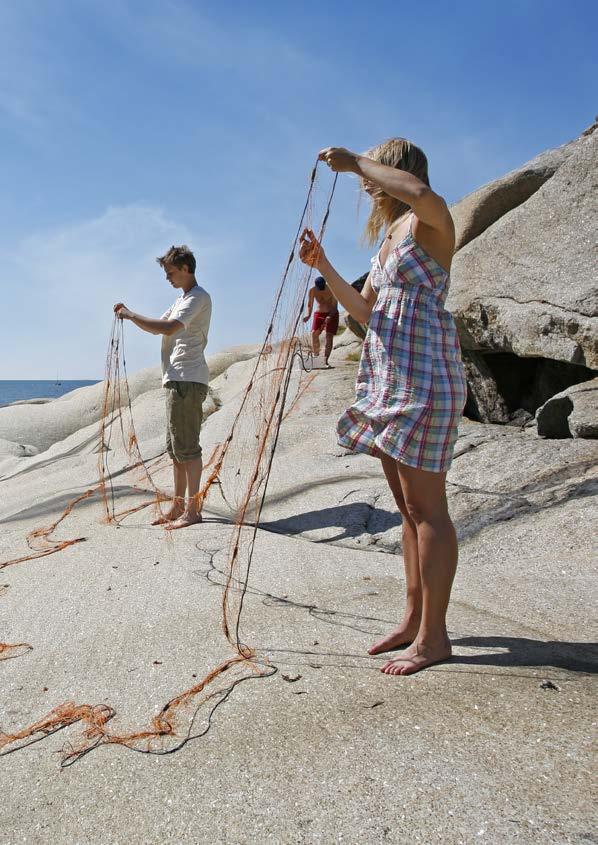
x,y
425,498
407,630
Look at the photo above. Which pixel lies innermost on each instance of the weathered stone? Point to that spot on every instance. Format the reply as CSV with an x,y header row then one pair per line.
x,y
528,283
484,402
480,209
583,420
17,450
572,413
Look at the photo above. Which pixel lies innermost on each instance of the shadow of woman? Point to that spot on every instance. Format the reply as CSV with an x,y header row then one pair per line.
x,y
521,651
352,520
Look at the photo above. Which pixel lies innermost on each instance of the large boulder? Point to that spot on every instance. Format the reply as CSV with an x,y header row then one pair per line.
x,y
479,210
571,413
221,361
527,284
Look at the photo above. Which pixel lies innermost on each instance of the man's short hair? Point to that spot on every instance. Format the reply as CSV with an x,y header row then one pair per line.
x,y
320,283
179,256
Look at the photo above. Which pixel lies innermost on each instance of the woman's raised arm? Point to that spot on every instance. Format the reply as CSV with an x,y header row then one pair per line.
x,y
428,207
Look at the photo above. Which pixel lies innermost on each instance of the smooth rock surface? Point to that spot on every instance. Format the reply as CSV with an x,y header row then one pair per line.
x,y
40,401
479,210
19,450
494,746
528,283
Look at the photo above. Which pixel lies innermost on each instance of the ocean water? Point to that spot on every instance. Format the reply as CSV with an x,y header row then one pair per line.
x,y
13,391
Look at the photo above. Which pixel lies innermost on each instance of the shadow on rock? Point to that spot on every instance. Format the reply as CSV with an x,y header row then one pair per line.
x,y
573,657
352,519
54,506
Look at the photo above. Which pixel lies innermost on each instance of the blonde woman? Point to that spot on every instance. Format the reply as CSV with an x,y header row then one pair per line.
x,y
411,387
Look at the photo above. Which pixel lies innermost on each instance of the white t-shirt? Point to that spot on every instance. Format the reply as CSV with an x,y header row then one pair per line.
x,y
183,352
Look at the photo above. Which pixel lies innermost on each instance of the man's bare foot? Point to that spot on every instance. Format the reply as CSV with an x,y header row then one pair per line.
x,y
184,521
417,657
403,635
169,516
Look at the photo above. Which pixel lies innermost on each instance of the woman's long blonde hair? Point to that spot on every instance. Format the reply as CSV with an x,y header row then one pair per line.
x,y
402,154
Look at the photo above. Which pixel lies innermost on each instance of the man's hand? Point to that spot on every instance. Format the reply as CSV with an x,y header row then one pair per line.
x,y
148,324
122,312
306,319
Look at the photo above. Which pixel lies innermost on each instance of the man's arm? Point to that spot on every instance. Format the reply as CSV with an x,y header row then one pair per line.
x,y
148,324
310,304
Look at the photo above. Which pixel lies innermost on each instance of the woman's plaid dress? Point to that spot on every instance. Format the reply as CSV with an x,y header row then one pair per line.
x,y
411,387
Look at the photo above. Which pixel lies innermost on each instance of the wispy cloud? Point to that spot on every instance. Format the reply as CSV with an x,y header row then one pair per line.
x,y
66,281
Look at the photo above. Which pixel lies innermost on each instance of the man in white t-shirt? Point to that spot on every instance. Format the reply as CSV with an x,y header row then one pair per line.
x,y
184,329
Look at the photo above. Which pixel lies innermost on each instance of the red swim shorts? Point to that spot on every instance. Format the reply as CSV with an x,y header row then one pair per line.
x,y
325,319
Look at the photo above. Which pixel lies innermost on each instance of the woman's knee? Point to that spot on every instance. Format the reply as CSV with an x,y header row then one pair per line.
x,y
415,513
420,511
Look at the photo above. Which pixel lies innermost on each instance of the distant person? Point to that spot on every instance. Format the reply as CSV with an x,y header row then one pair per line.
x,y
184,329
326,317
411,386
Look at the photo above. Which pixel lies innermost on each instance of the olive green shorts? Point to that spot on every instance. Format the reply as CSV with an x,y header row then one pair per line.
x,y
184,414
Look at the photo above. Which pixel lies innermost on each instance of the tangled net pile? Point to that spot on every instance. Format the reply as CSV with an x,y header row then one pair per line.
x,y
238,470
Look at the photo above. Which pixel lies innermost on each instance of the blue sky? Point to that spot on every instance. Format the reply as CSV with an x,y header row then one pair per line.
x,y
128,126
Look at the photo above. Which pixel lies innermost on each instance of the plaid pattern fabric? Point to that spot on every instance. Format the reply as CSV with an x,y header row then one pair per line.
x,y
411,386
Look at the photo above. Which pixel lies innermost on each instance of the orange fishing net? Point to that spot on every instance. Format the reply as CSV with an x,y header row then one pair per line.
x,y
238,470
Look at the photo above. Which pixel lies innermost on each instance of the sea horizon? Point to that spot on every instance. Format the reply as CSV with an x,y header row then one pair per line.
x,y
20,390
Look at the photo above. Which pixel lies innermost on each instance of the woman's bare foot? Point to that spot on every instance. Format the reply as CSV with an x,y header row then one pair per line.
x,y
417,657
174,513
185,519
403,635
